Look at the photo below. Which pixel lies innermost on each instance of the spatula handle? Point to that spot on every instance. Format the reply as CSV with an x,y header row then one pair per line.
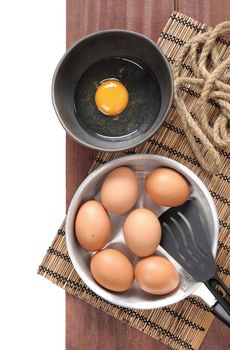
x,y
222,307
220,313
216,281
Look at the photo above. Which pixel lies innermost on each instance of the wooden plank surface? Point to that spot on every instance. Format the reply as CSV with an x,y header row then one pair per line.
x,y
86,327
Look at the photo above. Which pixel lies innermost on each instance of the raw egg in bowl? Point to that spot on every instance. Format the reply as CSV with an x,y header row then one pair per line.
x,y
112,90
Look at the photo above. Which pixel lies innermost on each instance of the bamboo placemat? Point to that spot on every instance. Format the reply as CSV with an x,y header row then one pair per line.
x,y
183,325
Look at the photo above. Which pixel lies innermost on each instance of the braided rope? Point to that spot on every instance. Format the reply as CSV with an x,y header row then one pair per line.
x,y
211,76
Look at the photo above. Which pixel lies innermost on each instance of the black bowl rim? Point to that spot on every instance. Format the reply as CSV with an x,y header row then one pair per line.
x,y
147,135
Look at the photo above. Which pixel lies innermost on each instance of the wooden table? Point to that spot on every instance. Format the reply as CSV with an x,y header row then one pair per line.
x,y
86,327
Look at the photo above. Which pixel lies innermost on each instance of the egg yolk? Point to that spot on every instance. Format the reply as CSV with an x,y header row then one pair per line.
x,y
111,97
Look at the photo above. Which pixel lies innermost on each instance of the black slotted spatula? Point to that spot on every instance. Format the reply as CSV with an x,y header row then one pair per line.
x,y
184,238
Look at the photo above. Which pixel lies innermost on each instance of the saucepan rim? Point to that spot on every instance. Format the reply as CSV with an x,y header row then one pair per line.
x,y
103,170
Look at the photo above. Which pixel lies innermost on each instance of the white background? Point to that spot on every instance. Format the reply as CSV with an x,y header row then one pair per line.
x,y
32,170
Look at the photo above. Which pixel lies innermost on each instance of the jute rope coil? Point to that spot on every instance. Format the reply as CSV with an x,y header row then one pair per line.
x,y
211,76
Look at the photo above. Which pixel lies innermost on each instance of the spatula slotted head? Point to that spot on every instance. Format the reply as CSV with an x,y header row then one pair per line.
x,y
184,238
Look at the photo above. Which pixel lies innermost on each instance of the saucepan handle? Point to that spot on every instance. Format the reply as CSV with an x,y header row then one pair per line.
x,y
214,301
222,307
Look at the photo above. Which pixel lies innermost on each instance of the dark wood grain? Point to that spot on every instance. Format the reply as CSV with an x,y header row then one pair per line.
x,y
92,329
86,327
211,12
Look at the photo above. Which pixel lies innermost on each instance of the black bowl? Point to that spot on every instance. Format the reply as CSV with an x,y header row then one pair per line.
x,y
140,122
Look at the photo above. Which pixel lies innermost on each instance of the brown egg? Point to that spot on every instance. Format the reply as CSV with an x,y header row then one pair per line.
x,y
92,226
156,275
119,190
167,187
142,232
112,270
